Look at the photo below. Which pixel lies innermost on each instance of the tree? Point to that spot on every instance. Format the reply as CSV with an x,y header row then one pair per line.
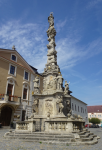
x,y
89,120
95,120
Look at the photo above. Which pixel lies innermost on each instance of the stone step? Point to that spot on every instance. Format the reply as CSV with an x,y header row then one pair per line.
x,y
85,135
40,138
37,135
87,139
94,141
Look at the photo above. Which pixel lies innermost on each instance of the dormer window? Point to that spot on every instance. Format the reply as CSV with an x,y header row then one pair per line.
x,y
14,57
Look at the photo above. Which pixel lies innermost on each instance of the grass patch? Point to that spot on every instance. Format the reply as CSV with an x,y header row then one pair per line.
x,y
40,142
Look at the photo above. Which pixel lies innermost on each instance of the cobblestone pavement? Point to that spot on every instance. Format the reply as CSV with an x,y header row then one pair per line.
x,y
21,145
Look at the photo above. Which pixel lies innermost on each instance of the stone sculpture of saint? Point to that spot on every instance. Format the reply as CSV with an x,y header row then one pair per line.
x,y
54,83
66,88
36,82
51,20
59,82
59,102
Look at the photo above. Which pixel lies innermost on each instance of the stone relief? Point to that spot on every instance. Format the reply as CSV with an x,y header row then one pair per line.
x,y
35,106
51,59
49,107
60,105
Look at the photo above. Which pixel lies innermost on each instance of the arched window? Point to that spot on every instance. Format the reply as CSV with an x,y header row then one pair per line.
x,y
25,91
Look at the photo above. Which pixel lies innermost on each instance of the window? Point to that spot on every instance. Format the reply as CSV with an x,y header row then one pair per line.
x,y
78,108
26,75
81,109
72,107
23,115
85,110
12,70
25,90
25,93
90,116
14,57
75,107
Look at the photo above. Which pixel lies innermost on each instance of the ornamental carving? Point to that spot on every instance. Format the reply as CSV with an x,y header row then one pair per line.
x,y
35,106
49,107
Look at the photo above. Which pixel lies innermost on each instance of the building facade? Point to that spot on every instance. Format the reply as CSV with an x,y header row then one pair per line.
x,y
79,108
95,112
16,86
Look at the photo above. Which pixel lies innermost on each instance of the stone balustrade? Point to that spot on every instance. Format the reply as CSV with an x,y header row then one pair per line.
x,y
58,126
25,126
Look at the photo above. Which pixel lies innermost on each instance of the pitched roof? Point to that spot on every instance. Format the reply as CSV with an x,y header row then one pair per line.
x,y
94,109
78,99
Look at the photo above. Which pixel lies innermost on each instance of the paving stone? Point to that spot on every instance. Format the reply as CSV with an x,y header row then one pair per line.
x,y
21,145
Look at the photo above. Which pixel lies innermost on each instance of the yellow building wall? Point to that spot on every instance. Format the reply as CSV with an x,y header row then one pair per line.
x,y
8,56
4,67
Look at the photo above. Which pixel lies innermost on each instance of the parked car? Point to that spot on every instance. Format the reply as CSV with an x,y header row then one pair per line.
x,y
87,126
94,126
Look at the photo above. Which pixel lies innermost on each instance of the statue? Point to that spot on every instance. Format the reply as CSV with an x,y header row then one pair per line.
x,y
51,20
59,82
66,88
59,102
35,106
54,83
36,82
36,85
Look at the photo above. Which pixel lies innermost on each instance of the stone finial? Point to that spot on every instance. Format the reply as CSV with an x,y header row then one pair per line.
x,y
13,47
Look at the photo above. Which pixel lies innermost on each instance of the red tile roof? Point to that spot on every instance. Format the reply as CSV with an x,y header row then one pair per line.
x,y
94,109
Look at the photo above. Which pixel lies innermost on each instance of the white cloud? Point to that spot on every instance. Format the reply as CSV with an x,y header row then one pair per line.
x,y
31,39
60,25
93,3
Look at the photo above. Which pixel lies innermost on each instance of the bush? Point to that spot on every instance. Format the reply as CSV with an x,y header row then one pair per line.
x,y
95,120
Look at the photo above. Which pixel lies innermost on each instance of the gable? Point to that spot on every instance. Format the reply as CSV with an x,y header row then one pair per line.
x,y
7,54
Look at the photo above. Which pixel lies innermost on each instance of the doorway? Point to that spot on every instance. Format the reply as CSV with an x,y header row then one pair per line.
x,y
9,91
5,117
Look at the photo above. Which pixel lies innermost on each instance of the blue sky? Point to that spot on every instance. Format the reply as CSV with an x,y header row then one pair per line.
x,y
78,23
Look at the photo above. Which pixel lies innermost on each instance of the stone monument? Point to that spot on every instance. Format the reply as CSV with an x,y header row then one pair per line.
x,y
51,109
53,104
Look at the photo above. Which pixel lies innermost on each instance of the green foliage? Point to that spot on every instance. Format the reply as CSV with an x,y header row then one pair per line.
x,y
89,120
95,120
